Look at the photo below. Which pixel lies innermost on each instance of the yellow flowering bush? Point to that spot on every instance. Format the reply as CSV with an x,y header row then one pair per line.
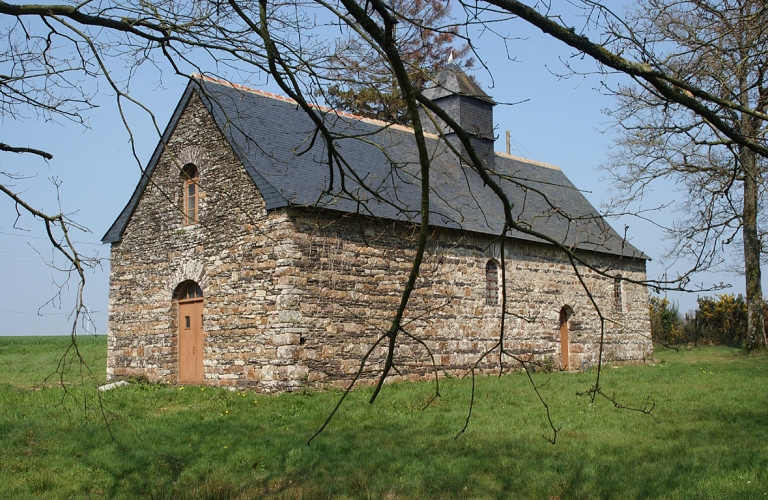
x,y
721,319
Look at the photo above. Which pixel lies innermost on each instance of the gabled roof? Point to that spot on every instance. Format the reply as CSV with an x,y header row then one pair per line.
x,y
274,139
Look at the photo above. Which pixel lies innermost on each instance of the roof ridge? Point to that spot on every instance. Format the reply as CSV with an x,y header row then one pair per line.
x,y
283,98
347,114
527,160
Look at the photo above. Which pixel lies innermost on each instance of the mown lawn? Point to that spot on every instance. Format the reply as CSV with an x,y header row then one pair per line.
x,y
711,440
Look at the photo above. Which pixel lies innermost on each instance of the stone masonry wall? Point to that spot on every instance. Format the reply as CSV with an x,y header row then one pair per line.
x,y
350,276
295,298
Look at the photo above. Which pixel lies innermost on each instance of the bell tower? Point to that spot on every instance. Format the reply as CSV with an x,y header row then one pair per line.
x,y
467,104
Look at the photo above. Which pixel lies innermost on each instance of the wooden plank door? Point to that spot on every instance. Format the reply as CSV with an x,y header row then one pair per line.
x,y
191,342
564,349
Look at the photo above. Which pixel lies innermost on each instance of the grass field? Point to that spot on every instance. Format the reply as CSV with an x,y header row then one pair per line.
x,y
202,443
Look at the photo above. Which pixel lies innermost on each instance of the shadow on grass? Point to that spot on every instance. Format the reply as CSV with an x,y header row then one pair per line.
x,y
201,443
391,454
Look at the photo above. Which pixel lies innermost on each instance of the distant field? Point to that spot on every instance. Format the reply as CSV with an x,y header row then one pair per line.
x,y
27,361
203,443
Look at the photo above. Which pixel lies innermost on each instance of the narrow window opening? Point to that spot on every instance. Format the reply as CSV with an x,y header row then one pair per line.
x,y
187,322
491,283
617,294
191,194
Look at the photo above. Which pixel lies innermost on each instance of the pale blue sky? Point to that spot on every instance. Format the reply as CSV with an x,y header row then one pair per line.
x,y
559,123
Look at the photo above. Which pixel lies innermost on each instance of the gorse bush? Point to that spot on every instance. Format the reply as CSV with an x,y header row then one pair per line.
x,y
720,320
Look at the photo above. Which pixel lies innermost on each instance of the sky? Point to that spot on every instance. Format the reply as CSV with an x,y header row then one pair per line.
x,y
556,120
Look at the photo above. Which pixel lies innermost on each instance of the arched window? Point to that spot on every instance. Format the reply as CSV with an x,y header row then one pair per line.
x,y
190,176
492,283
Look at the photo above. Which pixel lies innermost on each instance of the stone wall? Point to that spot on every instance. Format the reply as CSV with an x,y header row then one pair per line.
x,y
349,277
295,298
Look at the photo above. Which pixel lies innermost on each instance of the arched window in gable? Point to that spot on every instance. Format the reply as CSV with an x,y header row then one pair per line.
x,y
492,283
190,177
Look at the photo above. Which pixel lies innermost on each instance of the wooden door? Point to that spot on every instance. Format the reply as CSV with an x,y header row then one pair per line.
x,y
191,342
564,349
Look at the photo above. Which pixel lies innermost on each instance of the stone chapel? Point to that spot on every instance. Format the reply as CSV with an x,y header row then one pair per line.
x,y
250,256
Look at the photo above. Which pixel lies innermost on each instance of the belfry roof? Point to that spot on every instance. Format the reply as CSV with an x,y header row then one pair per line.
x,y
452,80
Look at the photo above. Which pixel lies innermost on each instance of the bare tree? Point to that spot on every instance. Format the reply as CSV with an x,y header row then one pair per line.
x,y
722,48
50,49
733,118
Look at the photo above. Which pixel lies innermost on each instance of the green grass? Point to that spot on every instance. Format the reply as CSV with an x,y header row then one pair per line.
x,y
204,443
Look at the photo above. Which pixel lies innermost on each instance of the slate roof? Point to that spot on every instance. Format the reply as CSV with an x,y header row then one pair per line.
x,y
272,137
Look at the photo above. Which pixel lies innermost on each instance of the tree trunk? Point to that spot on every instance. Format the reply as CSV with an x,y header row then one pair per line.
x,y
755,335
